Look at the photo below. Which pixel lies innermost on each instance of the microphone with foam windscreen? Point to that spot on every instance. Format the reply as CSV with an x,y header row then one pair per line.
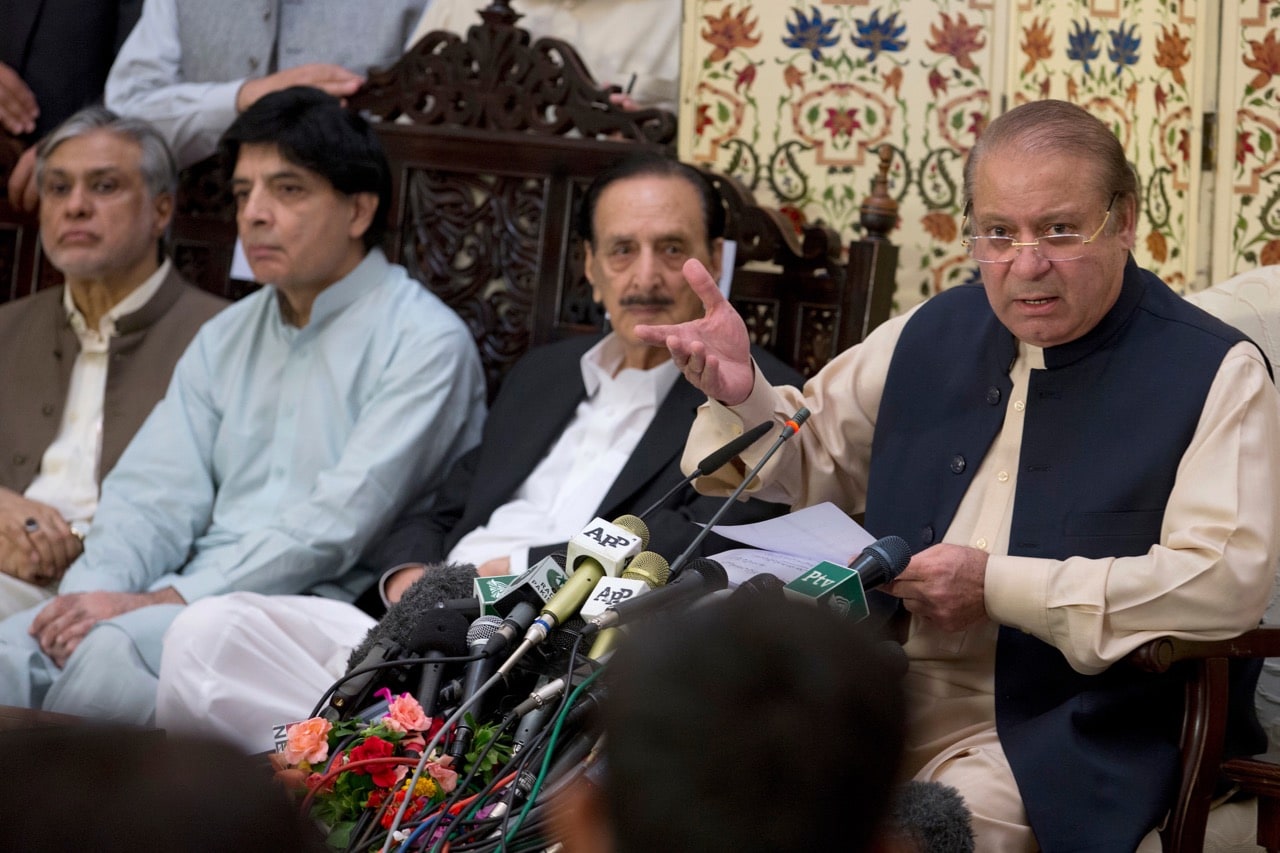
x,y
399,635
714,461
444,635
933,817
789,428
701,576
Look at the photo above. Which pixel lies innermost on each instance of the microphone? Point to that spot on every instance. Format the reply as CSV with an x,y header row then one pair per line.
x,y
789,428
933,816
700,577
515,623
438,584
445,634
714,461
882,561
478,672
610,545
646,571
843,588
763,586
589,554
534,587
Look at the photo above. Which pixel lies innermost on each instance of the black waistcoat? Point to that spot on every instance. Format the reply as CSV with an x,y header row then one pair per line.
x,y
1107,423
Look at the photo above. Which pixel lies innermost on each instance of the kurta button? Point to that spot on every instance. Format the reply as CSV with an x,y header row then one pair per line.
x,y
47,408
926,534
993,395
19,459
957,464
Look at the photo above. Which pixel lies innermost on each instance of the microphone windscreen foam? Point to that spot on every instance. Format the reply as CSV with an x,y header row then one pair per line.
x,y
439,582
934,816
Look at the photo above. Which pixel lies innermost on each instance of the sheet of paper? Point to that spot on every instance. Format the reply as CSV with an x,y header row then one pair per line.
x,y
817,533
741,564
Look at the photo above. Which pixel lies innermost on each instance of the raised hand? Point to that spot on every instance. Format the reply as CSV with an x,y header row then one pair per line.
x,y
714,351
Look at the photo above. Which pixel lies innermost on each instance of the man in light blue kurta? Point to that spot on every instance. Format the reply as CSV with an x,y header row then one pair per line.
x,y
297,426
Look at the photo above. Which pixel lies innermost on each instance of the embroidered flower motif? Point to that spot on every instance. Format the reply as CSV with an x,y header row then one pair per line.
x,y
729,31
1082,44
811,33
957,39
875,35
1037,43
1265,60
1172,52
1124,46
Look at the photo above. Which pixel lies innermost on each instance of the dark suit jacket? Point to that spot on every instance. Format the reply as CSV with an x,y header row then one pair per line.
x,y
38,348
63,49
534,405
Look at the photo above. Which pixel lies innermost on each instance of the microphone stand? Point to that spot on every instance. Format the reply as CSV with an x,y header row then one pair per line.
x,y
789,428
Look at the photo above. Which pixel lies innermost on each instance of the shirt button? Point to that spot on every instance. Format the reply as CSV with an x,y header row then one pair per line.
x,y
981,544
957,464
993,395
1019,406
926,534
1003,476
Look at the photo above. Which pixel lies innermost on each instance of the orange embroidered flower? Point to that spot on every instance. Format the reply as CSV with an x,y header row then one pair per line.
x,y
1038,44
941,226
958,39
1270,253
792,76
1265,60
1172,52
1158,246
893,80
729,31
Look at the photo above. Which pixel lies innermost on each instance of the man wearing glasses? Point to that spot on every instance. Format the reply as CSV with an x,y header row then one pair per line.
x,y
1081,462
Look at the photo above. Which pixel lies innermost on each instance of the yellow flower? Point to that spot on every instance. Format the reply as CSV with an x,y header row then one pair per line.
x,y
425,787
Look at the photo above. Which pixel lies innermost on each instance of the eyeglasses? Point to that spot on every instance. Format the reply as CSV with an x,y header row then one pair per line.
x,y
1051,247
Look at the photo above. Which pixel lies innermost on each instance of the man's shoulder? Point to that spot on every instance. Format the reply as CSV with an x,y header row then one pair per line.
x,y
17,314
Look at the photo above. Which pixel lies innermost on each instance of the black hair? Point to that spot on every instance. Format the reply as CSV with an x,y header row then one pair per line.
x,y
314,130
644,164
756,725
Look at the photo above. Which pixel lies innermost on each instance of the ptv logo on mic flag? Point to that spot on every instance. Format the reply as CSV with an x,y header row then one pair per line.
x,y
833,586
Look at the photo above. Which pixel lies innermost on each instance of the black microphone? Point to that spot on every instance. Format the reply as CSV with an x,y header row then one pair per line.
x,y
714,461
762,586
882,561
933,816
515,624
478,672
445,635
438,584
700,577
789,428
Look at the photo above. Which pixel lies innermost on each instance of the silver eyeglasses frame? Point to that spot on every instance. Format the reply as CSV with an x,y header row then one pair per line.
x,y
1015,246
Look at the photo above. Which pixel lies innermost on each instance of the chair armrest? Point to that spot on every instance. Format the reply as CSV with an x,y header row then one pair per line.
x,y
1160,654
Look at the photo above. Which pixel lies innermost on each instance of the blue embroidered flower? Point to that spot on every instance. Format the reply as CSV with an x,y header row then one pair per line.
x,y
811,34
875,35
1124,46
1082,44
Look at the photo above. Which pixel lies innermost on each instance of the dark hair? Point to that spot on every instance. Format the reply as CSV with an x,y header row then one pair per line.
x,y
644,164
1051,127
756,725
313,130
115,789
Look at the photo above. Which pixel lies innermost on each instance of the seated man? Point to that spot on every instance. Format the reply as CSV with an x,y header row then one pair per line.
x,y
1081,460
299,423
754,725
581,428
82,365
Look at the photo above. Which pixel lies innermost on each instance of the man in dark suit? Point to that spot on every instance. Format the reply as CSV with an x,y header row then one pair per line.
x,y
54,59
580,429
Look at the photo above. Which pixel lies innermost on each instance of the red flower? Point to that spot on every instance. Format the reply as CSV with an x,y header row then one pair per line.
x,y
1184,145
841,122
375,747
1161,99
746,77
703,119
1243,146
937,83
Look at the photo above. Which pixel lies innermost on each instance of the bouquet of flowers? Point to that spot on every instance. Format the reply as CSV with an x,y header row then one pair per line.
x,y
354,775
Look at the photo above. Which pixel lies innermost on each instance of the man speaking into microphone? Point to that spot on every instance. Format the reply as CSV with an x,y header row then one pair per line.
x,y
1080,461
587,427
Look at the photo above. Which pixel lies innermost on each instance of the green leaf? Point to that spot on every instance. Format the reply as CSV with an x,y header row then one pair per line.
x,y
957,120
1264,141
812,115
339,837
722,112
872,117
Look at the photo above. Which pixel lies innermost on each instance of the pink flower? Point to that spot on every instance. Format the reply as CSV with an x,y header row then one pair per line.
x,y
405,715
447,779
308,741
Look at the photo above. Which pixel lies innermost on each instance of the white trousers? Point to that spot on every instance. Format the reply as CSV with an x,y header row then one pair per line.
x,y
237,666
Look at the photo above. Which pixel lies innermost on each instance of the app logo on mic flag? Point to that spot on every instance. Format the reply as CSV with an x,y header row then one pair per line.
x,y
833,586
